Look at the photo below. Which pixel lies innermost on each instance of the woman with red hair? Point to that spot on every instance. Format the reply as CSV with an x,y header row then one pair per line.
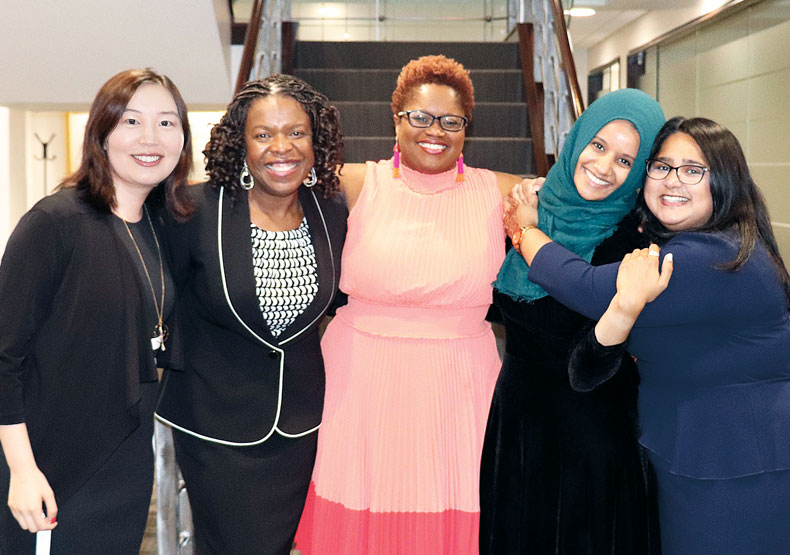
x,y
410,361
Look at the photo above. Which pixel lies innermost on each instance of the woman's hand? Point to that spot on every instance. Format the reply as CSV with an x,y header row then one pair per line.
x,y
28,491
521,205
639,281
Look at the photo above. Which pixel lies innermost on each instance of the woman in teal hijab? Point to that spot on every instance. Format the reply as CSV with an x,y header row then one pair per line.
x,y
561,470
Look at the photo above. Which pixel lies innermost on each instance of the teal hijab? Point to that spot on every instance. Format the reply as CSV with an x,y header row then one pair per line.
x,y
577,224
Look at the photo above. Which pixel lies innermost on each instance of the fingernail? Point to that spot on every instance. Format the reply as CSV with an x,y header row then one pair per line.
x,y
668,256
53,520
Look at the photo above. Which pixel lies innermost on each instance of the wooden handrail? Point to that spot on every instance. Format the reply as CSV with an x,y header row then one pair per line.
x,y
567,64
250,41
534,93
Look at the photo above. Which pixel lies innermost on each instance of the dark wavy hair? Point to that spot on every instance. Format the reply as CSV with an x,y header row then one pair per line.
x,y
434,70
738,205
227,148
93,179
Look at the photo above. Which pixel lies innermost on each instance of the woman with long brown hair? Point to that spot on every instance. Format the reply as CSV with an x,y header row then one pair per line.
x,y
84,295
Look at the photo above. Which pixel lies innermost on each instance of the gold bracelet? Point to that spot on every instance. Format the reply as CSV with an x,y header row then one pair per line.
x,y
519,235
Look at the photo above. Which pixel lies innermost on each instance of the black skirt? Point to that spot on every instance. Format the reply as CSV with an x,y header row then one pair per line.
x,y
246,499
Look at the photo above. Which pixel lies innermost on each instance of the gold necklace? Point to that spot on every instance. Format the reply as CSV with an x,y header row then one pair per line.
x,y
160,330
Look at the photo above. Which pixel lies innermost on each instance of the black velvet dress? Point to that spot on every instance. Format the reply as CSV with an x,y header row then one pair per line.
x,y
562,472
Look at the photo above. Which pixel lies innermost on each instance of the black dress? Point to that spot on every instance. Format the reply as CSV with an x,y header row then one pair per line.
x,y
561,470
79,370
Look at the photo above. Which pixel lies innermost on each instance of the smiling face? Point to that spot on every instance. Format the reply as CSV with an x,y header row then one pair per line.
x,y
279,145
676,205
604,164
145,145
430,149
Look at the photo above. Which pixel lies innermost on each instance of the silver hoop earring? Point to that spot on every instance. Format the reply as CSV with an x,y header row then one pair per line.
x,y
245,178
312,180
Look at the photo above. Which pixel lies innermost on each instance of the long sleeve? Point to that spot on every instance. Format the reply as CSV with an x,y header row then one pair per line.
x,y
591,363
698,291
30,273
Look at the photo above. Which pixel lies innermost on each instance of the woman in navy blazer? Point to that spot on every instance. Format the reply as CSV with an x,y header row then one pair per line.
x,y
257,268
713,350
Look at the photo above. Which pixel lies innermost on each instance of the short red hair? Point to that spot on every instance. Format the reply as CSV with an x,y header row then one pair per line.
x,y
435,70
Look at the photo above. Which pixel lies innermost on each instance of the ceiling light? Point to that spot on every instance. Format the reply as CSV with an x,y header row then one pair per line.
x,y
580,12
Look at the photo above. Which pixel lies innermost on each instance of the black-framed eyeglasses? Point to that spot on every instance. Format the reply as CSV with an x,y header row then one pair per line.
x,y
449,122
688,174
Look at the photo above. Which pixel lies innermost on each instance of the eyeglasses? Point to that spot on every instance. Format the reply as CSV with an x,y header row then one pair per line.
x,y
418,118
688,174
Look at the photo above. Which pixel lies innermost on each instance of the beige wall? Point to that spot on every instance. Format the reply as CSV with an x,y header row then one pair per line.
x,y
736,71
644,29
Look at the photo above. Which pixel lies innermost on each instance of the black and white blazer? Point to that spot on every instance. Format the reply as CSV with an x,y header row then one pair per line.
x,y
228,379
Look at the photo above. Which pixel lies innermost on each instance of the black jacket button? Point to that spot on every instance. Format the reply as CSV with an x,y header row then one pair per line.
x,y
274,355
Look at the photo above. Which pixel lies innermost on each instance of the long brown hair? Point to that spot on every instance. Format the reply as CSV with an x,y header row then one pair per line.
x,y
93,179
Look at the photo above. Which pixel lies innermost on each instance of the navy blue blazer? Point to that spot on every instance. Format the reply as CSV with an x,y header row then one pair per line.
x,y
713,352
228,379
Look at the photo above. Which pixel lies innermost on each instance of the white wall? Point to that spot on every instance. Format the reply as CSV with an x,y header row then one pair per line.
x,y
5,177
13,178
57,54
643,30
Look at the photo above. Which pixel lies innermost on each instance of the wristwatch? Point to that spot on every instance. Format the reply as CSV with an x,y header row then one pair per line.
x,y
519,235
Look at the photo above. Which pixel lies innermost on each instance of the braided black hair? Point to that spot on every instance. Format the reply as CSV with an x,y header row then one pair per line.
x,y
227,148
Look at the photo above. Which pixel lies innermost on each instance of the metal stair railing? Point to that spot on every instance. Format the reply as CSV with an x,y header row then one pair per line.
x,y
552,80
263,42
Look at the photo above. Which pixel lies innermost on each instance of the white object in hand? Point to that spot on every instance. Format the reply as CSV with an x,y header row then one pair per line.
x,y
43,542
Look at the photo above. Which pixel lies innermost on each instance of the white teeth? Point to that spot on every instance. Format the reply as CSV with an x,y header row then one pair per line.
x,y
674,199
147,159
433,147
282,166
595,179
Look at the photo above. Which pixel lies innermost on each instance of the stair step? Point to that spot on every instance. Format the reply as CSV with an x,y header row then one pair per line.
x,y
490,119
508,155
375,84
374,55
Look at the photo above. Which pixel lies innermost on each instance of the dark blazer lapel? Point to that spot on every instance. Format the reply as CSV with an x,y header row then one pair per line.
x,y
236,260
325,262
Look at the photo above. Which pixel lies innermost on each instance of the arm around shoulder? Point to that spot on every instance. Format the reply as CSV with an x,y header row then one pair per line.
x,y
352,178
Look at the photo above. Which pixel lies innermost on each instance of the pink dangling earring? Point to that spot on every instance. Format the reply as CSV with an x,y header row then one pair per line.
x,y
460,176
395,161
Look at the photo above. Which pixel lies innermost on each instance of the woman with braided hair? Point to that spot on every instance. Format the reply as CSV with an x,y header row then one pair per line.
x,y
256,268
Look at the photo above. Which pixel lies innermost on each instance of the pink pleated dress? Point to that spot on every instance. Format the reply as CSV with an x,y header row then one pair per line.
x,y
411,365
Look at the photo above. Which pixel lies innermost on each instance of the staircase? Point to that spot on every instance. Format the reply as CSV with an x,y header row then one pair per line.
x,y
359,78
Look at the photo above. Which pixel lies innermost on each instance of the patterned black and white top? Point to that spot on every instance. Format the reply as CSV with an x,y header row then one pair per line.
x,y
286,274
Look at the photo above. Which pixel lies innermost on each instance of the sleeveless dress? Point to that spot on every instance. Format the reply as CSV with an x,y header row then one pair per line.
x,y
411,365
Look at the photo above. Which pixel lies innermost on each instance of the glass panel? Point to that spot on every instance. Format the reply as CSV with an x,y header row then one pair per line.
x,y
396,20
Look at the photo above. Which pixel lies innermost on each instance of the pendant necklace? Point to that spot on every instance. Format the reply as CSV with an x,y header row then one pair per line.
x,y
160,330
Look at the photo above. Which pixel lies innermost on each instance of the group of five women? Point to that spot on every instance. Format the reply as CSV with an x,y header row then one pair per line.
x,y
225,284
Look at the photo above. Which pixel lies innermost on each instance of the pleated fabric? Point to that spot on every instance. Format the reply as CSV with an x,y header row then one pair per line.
x,y
411,364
